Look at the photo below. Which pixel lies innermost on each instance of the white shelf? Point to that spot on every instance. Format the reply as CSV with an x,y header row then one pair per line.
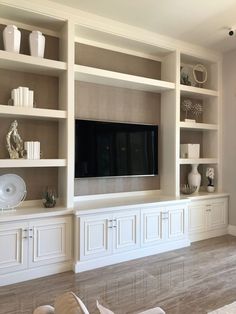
x,y
197,91
27,163
99,76
192,126
33,113
188,161
24,63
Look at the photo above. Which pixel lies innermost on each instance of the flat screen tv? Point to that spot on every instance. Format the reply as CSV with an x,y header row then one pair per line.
x,y
104,149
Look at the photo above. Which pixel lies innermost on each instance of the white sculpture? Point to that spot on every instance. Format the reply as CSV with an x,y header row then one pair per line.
x,y
15,144
210,174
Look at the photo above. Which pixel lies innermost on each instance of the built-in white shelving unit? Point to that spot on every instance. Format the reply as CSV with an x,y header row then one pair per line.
x,y
50,119
100,76
206,130
191,126
27,163
192,91
56,81
70,30
24,63
32,113
193,161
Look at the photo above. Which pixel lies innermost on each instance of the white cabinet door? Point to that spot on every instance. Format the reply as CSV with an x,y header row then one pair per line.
x,y
151,227
50,241
95,236
126,231
197,218
13,247
176,222
217,214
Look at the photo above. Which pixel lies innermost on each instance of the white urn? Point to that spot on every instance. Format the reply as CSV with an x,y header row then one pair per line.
x,y
194,177
37,44
11,38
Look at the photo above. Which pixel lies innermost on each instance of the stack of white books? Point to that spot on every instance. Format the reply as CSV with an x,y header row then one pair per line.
x,y
32,150
22,97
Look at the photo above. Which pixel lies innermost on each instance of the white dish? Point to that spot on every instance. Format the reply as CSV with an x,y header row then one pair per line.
x,y
12,191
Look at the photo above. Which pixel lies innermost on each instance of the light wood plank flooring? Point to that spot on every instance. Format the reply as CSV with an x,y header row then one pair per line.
x,y
186,281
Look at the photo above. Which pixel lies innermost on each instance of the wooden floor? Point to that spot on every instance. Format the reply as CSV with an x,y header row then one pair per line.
x,y
186,281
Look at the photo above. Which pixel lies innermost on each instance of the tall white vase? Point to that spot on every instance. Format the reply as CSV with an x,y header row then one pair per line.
x,y
11,38
194,177
37,44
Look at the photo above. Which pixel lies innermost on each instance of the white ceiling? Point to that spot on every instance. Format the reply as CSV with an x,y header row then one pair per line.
x,y
202,22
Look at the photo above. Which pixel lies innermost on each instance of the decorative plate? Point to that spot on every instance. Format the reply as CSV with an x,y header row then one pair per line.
x,y
12,191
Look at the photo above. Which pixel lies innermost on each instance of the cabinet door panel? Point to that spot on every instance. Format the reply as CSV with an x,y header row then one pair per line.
x,y
13,247
95,237
176,225
197,218
126,233
217,215
151,228
51,241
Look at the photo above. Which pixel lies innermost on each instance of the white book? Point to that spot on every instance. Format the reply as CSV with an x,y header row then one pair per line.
x,y
37,150
31,150
25,98
31,98
20,96
27,148
17,97
14,97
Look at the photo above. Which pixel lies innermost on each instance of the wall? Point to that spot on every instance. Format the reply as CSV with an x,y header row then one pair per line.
x,y
100,102
229,131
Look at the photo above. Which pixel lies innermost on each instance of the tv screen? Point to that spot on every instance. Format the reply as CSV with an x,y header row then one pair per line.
x,y
104,149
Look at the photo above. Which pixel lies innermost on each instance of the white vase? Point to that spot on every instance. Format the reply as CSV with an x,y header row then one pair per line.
x,y
210,189
11,38
37,44
194,177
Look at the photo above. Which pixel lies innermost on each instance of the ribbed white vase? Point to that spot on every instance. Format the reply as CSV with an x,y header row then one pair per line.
x,y
11,38
194,177
37,44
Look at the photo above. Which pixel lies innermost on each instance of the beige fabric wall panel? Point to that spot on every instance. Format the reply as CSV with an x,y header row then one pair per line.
x,y
101,102
115,185
116,61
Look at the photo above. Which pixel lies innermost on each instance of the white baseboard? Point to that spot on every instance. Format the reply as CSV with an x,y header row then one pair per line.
x,y
34,273
232,230
85,265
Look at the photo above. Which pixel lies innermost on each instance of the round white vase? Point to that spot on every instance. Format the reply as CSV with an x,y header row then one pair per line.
x,y
194,177
210,189
37,44
11,38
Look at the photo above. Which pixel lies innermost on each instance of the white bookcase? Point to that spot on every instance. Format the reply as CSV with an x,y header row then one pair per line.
x,y
160,213
208,130
58,114
72,28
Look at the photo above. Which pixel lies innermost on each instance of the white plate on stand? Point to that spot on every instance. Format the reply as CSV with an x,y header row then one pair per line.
x,y
12,191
